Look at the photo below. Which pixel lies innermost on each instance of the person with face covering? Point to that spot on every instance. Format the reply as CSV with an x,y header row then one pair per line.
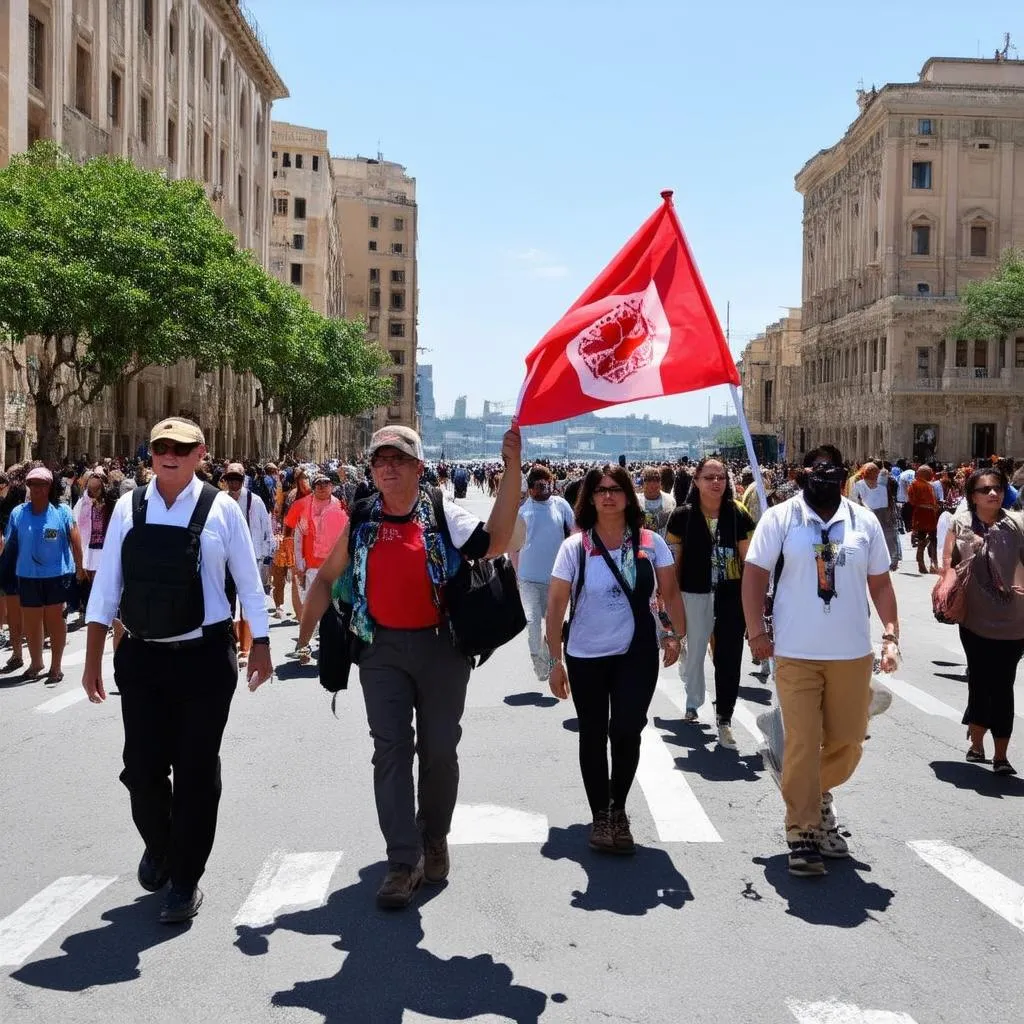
x,y
827,556
549,520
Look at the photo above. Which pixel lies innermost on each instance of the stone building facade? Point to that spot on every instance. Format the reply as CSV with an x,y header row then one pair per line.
x,y
917,199
181,86
376,208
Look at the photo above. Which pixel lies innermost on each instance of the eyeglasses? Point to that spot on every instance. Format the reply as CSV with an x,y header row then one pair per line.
x,y
611,492
715,479
827,469
322,483
179,448
380,461
991,489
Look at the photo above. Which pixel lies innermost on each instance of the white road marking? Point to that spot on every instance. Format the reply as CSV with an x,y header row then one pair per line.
x,y
834,1012
35,921
677,812
997,892
741,713
288,881
923,701
489,823
60,702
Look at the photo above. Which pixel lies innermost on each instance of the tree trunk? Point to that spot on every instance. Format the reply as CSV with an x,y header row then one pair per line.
x,y
295,433
48,418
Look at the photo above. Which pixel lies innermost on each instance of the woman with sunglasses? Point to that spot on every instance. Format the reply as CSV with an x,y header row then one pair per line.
x,y
608,575
709,537
992,633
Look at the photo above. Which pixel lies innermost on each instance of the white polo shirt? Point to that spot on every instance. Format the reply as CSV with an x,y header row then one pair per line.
x,y
804,626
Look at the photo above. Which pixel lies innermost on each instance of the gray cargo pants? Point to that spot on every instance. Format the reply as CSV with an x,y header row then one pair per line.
x,y
402,672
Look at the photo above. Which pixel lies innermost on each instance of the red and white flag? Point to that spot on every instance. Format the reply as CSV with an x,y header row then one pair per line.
x,y
644,328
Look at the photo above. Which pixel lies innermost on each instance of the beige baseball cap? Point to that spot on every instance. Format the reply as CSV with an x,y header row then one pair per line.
x,y
404,439
234,469
177,429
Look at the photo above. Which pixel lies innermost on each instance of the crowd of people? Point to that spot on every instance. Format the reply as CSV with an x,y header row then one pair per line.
x,y
620,567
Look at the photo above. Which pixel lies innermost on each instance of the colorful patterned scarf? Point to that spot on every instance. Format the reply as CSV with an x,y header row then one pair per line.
x,y
627,563
351,587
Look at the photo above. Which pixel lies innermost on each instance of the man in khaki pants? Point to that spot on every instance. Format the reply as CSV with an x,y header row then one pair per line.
x,y
832,556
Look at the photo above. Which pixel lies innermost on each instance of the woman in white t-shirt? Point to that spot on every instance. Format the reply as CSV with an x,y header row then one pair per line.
x,y
872,491
611,573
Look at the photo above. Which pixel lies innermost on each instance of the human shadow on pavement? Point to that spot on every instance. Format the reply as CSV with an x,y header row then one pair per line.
x,y
103,956
977,777
571,725
842,900
293,670
622,885
533,699
957,677
705,757
385,971
756,694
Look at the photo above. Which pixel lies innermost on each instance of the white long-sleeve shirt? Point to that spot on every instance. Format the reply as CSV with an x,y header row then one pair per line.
x,y
259,523
225,544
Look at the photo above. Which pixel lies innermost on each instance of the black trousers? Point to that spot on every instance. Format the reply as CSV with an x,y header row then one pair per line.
x,y
174,703
727,649
991,671
612,696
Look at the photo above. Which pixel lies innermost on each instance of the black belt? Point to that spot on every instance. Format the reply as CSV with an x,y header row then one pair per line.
x,y
225,629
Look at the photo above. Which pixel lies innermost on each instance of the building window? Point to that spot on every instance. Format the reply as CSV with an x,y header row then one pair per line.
x,y
224,76
372,245
144,119
172,140
300,209
259,129
397,248
222,166
280,206
1018,353
207,56
147,17
240,186
374,222
920,240
316,162
874,355
299,242
882,353
397,356
397,301
36,52
979,239
923,288
374,275
207,156
114,100
924,126
298,161
396,329
374,300
172,37
241,111
923,356
399,223
373,325
399,392
398,277
83,79
286,159
296,269
921,174
257,216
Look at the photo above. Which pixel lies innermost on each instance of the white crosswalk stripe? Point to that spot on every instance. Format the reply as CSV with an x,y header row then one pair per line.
x,y
1000,894
36,920
288,881
834,1012
61,701
922,700
489,823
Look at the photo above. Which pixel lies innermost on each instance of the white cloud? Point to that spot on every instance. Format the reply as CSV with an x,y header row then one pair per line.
x,y
538,263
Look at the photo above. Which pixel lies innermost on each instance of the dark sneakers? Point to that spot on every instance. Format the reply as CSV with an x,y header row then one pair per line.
x,y
152,874
602,836
804,856
400,885
436,862
622,837
182,904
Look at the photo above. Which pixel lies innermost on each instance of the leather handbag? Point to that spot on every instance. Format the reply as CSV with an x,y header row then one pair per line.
x,y
949,595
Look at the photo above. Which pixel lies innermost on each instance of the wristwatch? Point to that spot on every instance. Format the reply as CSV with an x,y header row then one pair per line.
x,y
261,641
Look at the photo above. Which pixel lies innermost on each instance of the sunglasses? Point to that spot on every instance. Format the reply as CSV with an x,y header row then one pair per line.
x,y
379,461
322,483
827,469
714,478
179,448
990,489
612,492
234,479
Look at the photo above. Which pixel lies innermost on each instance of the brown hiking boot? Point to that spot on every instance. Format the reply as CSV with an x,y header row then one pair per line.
x,y
602,838
622,838
399,885
437,863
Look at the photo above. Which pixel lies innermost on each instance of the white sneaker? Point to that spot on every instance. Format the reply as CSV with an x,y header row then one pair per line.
x,y
829,842
277,613
725,736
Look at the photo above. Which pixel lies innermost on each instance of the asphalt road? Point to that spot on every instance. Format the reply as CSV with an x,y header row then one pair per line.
x,y
924,924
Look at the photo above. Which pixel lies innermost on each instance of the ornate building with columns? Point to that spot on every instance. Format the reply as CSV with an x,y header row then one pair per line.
x,y
917,199
181,86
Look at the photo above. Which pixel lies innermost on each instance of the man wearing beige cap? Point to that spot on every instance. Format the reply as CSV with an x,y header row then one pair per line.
x,y
397,558
168,548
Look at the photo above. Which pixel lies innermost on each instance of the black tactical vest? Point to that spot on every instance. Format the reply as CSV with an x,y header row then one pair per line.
x,y
162,592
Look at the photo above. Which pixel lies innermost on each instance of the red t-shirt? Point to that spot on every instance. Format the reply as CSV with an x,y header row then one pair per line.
x,y
304,513
399,591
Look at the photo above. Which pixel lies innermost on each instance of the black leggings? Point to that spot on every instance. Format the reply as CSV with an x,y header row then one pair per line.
x,y
991,670
727,649
612,696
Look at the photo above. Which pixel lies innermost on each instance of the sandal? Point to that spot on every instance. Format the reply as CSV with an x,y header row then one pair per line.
x,y
12,664
977,756
1003,767
34,673
53,680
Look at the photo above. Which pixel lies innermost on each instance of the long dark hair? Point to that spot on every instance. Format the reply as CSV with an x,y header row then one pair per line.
x,y
586,511
727,494
977,475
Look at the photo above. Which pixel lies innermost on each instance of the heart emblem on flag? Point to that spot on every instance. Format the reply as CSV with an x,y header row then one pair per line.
x,y
619,355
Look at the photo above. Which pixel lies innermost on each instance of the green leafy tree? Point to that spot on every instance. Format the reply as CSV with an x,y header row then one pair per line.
x,y
994,308
114,269
729,437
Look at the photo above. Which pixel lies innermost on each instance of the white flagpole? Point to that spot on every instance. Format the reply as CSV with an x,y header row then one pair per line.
x,y
749,442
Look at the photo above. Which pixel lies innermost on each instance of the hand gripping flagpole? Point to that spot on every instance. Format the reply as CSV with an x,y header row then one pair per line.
x,y
749,442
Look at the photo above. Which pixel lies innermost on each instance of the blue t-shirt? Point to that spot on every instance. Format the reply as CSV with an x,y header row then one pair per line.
x,y
548,523
1011,496
44,541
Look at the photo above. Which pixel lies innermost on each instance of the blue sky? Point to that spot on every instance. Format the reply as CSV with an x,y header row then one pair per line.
x,y
540,134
